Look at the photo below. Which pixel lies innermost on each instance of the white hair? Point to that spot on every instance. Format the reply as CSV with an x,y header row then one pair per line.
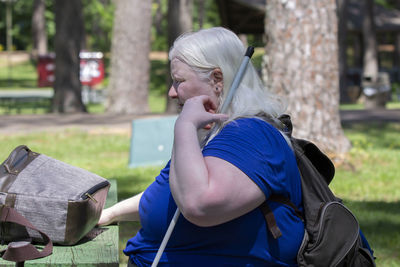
x,y
208,49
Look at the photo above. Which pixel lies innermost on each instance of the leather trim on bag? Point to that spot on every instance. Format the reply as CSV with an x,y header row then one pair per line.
x,y
83,215
14,165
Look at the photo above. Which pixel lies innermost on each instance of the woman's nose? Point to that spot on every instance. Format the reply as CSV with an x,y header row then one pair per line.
x,y
172,92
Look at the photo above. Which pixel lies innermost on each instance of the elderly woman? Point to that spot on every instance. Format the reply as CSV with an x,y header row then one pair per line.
x,y
218,188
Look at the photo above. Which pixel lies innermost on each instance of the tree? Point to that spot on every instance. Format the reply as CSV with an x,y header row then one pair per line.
x,y
179,21
68,39
301,63
201,6
130,63
39,34
342,42
397,43
99,16
370,59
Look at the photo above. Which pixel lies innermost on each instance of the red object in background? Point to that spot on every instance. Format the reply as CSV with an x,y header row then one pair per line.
x,y
45,70
91,69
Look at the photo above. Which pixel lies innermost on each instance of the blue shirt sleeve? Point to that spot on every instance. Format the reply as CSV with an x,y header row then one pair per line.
x,y
260,151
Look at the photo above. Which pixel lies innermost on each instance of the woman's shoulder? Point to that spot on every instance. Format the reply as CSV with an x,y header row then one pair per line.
x,y
255,131
251,125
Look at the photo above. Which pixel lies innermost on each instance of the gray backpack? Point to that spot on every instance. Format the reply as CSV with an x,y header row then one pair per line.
x,y
332,234
61,202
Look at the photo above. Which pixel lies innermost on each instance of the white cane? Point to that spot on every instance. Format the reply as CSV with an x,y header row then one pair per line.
x,y
225,105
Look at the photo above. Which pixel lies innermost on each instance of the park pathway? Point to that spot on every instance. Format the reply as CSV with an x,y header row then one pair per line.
x,y
13,124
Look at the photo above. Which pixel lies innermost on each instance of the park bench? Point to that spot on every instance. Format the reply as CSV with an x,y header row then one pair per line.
x,y
20,99
98,248
34,99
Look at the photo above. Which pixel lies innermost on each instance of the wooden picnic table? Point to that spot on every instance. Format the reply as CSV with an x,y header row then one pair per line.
x,y
98,248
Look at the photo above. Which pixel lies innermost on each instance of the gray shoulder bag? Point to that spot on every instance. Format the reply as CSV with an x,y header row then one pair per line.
x,y
45,200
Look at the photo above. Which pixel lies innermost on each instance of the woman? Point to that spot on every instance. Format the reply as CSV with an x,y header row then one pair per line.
x,y
219,188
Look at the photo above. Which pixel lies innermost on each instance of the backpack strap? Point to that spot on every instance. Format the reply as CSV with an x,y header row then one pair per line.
x,y
272,226
284,124
270,219
286,201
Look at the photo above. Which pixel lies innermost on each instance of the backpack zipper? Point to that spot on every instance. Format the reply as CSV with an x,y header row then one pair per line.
x,y
322,213
358,231
89,193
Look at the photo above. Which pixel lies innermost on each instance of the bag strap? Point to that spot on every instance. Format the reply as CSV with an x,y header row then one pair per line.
x,y
272,226
270,220
22,251
284,124
286,201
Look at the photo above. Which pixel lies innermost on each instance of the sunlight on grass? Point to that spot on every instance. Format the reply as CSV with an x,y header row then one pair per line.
x,y
19,76
393,104
369,183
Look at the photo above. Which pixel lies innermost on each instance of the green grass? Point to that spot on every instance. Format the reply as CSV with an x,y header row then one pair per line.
x,y
394,104
19,76
367,180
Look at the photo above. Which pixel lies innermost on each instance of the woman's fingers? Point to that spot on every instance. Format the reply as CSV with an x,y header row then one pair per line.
x,y
200,110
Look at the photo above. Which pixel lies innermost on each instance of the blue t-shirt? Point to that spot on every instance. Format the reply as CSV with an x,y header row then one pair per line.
x,y
260,151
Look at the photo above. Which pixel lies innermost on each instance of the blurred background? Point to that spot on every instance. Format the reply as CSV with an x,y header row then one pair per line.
x,y
336,62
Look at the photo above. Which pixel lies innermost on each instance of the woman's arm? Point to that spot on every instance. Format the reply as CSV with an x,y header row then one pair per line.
x,y
126,210
207,190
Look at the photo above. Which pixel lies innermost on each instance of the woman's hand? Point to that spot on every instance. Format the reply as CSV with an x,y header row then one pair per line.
x,y
126,210
106,218
200,111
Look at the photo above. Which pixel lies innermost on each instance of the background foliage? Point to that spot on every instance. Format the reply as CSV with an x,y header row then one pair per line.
x,y
367,179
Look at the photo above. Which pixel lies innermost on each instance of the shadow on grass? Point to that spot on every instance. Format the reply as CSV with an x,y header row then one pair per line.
x,y
380,222
380,134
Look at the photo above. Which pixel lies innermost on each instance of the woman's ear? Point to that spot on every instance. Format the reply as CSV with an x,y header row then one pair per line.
x,y
217,80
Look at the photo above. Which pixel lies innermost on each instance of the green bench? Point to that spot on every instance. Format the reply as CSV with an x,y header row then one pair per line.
x,y
98,248
24,99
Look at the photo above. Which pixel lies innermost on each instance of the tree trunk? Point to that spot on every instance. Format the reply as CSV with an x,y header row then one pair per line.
x,y
342,41
39,33
130,63
378,98
201,4
179,21
67,86
370,59
301,64
158,17
396,63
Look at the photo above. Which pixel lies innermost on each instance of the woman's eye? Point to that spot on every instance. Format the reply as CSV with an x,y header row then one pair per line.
x,y
176,83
